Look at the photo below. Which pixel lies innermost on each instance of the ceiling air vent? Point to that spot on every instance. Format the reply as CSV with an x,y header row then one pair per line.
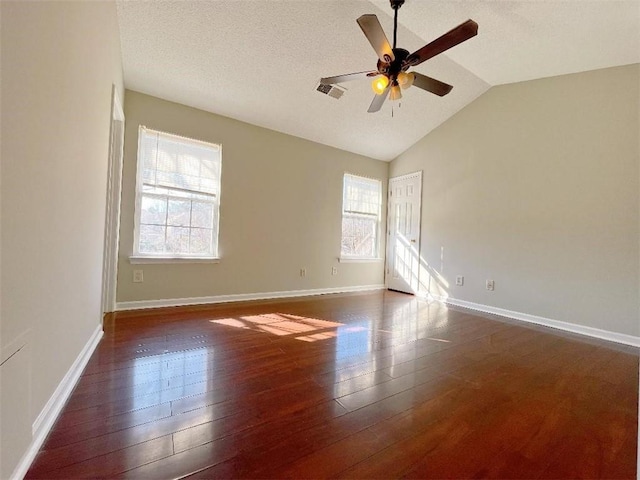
x,y
331,90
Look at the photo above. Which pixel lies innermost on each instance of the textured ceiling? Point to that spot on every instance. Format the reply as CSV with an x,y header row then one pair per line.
x,y
260,61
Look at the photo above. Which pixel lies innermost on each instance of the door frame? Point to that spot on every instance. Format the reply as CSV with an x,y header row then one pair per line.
x,y
389,218
112,207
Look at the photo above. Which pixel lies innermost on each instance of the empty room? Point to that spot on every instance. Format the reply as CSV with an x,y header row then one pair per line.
x,y
319,238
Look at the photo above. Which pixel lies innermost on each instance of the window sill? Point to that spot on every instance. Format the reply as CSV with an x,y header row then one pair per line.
x,y
137,260
359,260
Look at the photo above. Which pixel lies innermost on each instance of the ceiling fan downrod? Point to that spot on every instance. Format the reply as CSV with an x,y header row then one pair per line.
x,y
395,4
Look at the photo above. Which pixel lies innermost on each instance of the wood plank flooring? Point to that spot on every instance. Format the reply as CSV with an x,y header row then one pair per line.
x,y
375,385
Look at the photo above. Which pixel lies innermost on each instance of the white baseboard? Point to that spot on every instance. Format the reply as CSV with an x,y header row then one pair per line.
x,y
45,420
547,322
242,297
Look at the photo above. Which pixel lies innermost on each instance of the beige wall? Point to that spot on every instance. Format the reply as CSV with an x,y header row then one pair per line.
x,y
535,185
280,210
59,61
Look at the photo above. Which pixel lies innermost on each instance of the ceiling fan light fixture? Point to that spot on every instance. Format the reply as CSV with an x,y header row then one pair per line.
x,y
380,84
405,80
396,93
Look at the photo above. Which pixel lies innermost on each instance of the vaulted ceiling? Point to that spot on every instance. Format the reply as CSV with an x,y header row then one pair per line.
x,y
259,61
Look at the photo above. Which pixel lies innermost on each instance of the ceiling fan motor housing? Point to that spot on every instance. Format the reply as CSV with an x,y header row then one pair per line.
x,y
391,69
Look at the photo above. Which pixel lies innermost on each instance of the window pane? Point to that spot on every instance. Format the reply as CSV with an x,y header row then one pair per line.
x,y
166,164
177,240
361,195
201,241
209,169
188,165
183,163
153,211
208,184
179,214
151,239
359,236
202,215
148,157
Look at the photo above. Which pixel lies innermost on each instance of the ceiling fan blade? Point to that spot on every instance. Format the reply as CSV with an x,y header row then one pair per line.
x,y
431,84
378,100
375,34
453,37
347,77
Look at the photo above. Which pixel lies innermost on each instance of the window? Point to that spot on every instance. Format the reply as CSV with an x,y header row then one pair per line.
x,y
177,197
361,205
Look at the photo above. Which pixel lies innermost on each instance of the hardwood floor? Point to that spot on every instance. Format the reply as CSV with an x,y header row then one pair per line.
x,y
376,385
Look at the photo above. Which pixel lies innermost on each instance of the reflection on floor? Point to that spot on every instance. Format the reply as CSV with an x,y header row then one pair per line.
x,y
374,385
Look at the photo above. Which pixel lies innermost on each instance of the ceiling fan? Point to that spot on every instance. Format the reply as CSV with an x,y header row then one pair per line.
x,y
391,73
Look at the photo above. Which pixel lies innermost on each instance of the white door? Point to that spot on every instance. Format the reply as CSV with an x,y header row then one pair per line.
x,y
403,233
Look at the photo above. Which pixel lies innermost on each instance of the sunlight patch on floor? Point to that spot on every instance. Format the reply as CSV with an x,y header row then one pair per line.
x,y
284,324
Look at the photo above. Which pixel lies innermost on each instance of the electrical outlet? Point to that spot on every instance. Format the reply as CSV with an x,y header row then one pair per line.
x,y
334,270
459,281
491,285
303,272
138,276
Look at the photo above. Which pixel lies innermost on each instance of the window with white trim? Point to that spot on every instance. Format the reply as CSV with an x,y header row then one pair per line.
x,y
361,207
177,196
